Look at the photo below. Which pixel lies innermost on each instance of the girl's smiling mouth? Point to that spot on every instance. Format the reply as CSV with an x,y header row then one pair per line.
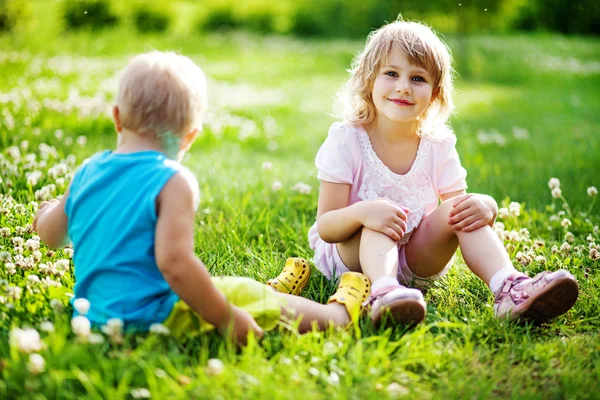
x,y
401,102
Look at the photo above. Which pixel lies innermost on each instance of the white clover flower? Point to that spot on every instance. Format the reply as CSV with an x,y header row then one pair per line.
x,y
32,245
82,306
267,166
140,393
556,193
36,364
14,292
541,260
114,329
5,256
395,389
81,326
33,278
503,213
554,249
302,188
58,134
334,378
313,371
56,304
565,248
4,232
594,254
214,367
50,282
514,209
514,236
590,238
25,340
95,338
159,329
47,326
566,223
68,252
11,269
524,233
33,177
592,191
553,183
276,186
17,241
569,237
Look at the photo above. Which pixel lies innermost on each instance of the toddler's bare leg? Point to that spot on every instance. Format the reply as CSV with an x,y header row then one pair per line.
x,y
313,313
434,242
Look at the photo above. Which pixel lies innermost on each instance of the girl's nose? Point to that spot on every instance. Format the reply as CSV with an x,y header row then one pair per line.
x,y
403,86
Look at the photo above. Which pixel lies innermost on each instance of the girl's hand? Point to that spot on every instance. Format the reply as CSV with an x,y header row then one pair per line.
x,y
385,217
472,211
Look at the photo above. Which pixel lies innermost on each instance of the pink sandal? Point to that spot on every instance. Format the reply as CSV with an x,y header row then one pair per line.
x,y
405,305
541,298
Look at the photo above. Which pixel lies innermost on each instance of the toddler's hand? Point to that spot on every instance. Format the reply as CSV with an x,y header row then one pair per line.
x,y
470,212
385,217
243,323
42,208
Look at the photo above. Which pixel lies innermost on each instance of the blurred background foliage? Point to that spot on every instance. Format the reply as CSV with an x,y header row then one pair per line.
x,y
309,18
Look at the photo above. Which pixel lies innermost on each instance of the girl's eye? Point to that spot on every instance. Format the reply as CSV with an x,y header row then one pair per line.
x,y
418,79
391,73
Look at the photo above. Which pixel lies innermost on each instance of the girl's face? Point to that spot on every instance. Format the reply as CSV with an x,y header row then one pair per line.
x,y
402,91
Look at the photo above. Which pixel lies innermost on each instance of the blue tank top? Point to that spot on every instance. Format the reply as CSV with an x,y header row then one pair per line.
x,y
111,223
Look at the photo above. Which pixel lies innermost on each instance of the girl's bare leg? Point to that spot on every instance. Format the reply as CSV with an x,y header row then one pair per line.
x,y
434,242
370,252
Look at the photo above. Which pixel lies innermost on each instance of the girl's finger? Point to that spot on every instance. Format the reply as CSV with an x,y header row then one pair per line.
x,y
401,223
392,234
455,219
465,222
460,199
398,229
463,205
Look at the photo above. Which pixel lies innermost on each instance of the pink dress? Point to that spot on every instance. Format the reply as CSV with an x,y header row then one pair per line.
x,y
347,156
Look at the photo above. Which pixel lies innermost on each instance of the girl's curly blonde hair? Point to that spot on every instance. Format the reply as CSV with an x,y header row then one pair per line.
x,y
423,48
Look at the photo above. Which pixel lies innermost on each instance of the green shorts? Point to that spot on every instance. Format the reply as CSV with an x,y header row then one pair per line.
x,y
259,300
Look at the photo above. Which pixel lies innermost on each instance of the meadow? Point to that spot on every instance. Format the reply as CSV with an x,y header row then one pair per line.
x,y
527,112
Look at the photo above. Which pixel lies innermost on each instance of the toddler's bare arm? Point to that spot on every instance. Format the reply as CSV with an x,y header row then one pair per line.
x,y
184,272
50,222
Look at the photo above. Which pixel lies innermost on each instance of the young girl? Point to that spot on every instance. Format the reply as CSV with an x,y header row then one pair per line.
x,y
130,216
383,171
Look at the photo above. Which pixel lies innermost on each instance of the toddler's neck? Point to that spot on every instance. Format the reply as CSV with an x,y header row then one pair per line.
x,y
133,142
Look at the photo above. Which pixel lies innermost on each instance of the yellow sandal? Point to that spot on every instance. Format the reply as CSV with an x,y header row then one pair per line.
x,y
294,277
353,291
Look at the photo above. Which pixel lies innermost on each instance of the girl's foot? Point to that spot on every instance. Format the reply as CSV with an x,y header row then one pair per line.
x,y
294,277
400,304
541,298
352,292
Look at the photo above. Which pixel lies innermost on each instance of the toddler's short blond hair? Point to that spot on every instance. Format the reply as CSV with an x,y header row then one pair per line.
x,y
161,92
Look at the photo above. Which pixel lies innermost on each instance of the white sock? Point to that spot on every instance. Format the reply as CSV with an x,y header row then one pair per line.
x,y
499,277
384,282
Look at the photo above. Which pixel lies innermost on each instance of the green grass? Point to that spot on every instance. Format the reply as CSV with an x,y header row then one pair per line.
x,y
270,99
